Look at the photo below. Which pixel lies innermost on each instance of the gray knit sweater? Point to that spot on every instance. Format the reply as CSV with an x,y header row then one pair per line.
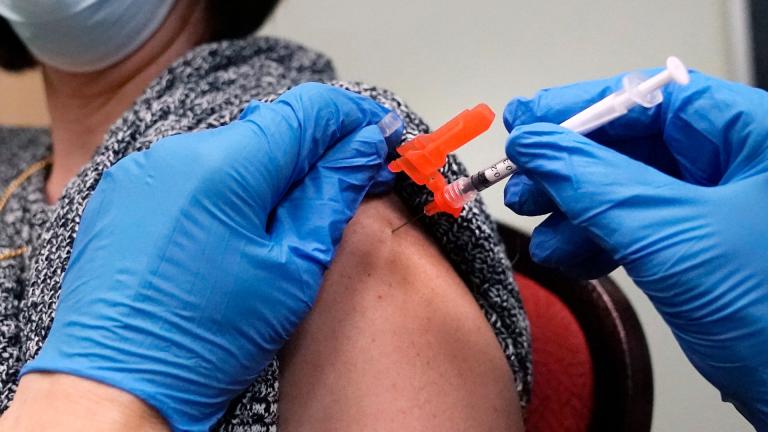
x,y
206,88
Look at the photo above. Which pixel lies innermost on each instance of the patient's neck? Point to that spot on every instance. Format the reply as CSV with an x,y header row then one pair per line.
x,y
83,106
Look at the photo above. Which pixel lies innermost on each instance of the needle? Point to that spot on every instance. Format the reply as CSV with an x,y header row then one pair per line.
x,y
408,222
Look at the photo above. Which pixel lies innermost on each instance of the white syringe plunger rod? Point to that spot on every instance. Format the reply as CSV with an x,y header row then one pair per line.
x,y
636,91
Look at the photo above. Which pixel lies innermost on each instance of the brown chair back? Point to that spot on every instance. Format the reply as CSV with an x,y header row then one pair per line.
x,y
623,379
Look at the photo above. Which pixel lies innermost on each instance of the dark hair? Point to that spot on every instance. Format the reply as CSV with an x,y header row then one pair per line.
x,y
14,56
230,19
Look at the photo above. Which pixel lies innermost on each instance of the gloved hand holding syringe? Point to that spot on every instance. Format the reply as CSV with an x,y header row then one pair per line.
x,y
421,160
636,91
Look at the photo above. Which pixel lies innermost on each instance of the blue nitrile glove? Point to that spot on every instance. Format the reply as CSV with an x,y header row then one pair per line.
x,y
196,259
686,213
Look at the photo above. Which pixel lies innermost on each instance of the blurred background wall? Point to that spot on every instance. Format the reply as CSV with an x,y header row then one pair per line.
x,y
442,56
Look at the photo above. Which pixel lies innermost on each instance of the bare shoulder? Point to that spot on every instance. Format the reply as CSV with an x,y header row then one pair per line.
x,y
396,341
369,241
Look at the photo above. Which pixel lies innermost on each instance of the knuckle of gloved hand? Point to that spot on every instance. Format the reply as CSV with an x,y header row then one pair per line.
x,y
323,105
339,104
539,128
311,94
512,194
542,252
546,248
518,111
523,139
370,144
204,159
124,168
252,109
537,137
526,198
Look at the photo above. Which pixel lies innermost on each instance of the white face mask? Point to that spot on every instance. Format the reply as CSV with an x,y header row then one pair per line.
x,y
84,35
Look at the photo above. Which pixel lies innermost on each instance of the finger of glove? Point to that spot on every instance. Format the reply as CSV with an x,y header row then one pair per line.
x,y
708,125
311,218
526,198
294,131
383,182
622,202
558,243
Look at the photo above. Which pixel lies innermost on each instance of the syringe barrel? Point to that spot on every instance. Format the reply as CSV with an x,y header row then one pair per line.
x,y
606,110
488,177
459,192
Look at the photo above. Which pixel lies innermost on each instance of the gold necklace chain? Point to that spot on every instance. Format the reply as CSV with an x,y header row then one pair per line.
x,y
6,196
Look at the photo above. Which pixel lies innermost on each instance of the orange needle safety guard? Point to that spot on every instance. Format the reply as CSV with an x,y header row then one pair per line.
x,y
423,157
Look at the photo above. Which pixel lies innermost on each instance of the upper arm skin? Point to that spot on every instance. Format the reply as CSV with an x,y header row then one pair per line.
x,y
395,341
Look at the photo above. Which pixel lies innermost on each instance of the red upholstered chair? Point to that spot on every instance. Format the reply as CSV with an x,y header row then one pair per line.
x,y
592,369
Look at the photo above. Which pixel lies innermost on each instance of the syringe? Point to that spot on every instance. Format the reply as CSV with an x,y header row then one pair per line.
x,y
636,91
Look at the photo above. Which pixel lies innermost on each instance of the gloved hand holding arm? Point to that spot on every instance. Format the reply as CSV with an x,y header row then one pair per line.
x,y
196,259
678,195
